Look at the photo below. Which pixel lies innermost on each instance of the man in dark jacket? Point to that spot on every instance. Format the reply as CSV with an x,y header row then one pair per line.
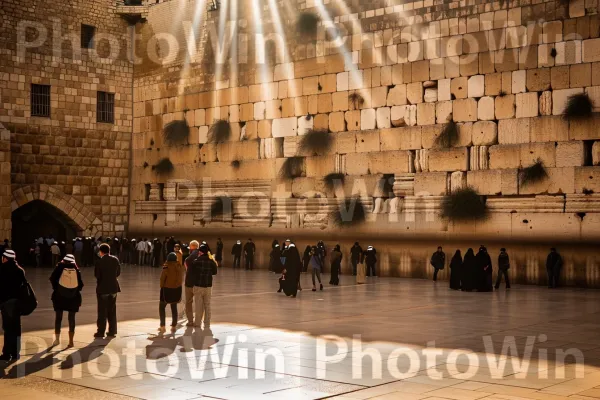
x,y
370,258
219,253
356,254
249,250
189,283
12,278
553,267
236,252
157,253
438,262
503,266
107,272
200,276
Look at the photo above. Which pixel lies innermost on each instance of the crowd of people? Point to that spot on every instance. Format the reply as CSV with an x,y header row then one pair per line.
x,y
188,271
474,272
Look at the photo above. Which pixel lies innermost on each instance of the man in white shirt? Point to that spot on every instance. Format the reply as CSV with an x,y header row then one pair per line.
x,y
141,249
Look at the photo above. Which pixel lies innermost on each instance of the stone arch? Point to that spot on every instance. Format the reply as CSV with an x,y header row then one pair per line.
x,y
80,217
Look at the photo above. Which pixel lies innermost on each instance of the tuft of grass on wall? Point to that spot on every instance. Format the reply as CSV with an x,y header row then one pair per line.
x,y
579,106
449,135
306,24
292,167
176,132
333,179
532,174
316,141
235,164
163,167
356,100
219,131
464,205
351,212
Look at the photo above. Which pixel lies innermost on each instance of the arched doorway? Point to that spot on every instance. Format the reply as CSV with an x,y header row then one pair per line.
x,y
38,219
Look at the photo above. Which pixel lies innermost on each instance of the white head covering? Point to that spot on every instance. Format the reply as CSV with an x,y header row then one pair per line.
x,y
370,248
9,254
239,242
69,258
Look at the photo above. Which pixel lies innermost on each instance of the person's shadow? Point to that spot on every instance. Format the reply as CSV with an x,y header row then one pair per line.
x,y
85,354
38,362
163,345
197,339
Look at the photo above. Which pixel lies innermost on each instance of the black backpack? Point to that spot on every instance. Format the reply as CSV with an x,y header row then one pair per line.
x,y
27,301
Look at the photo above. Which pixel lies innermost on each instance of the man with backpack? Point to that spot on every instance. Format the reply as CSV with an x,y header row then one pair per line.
x,y
12,279
199,276
503,266
107,272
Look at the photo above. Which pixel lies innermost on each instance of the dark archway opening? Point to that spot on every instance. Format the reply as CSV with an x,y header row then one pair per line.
x,y
38,219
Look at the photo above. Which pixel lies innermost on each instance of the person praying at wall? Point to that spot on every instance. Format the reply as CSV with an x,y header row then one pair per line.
x,y
292,268
336,265
249,250
484,268
456,270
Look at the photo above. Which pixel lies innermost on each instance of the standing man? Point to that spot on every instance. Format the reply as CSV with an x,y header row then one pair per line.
x,y
189,283
55,250
503,266
219,253
438,262
157,253
356,254
553,267
107,272
236,252
249,250
370,258
141,249
78,249
12,279
200,276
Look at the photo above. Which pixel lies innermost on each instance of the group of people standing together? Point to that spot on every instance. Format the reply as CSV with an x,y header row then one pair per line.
x,y
474,272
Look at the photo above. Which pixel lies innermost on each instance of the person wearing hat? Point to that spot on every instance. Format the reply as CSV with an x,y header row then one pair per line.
x,y
356,257
55,250
199,276
12,278
236,252
66,295
249,250
107,272
371,260
189,285
171,281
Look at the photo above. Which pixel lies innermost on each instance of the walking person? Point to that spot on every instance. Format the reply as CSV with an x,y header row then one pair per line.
x,y
275,260
78,249
12,279
438,262
456,271
336,265
107,272
236,252
356,254
503,267
200,272
249,250
553,266
322,251
306,259
189,284
292,267
370,258
66,295
55,250
171,282
316,264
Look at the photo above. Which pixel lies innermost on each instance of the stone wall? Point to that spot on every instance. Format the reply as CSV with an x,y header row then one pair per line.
x,y
502,71
5,210
70,154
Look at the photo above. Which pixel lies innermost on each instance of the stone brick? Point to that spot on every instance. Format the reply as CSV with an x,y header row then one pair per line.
x,y
464,110
486,108
443,111
367,141
476,86
519,79
560,97
265,129
425,114
383,117
431,95
527,105
368,119
538,79
559,181
493,182
504,156
408,138
304,124
337,123
397,96
414,92
511,131
485,133
570,154
431,183
580,75
587,178
529,153
389,162
444,90
584,129
339,101
549,129
283,127
455,159
559,77
379,96
493,84
505,106
459,88
546,103
403,115
353,120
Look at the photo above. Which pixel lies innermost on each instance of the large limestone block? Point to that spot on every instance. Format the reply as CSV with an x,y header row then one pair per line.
x,y
549,129
431,95
403,115
585,129
383,118
493,182
443,112
425,114
586,179
538,79
408,138
305,124
455,159
505,106
290,146
367,141
260,110
505,156
570,154
559,181
282,127
337,123
444,90
319,166
345,143
459,88
429,135
389,162
529,153
208,153
545,226
485,133
368,119
476,86
353,120
431,184
596,153
560,98
464,110
357,164
272,147
379,96
414,92
458,181
527,105
546,103
397,96
486,109
339,101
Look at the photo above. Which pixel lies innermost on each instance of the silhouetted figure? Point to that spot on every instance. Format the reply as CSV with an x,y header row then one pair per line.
x,y
219,252
456,265
503,267
553,267
249,250
356,257
66,295
306,258
370,258
12,279
292,266
438,262
336,265
107,272
236,252
484,267
469,272
275,260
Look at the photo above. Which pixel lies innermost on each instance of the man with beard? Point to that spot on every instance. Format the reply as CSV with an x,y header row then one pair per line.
x,y
484,266
291,269
553,267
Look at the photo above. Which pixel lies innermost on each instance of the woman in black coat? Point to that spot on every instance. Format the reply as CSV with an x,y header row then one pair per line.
x,y
456,271
275,260
66,295
468,272
306,259
484,267
292,267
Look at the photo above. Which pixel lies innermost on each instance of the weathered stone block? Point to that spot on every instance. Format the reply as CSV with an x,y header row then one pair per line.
x,y
570,154
455,159
493,182
476,86
459,88
368,119
337,123
505,156
397,96
529,153
464,110
485,133
431,184
505,106
389,162
383,118
443,111
319,166
282,127
560,98
357,164
367,141
549,129
559,181
345,143
585,129
586,179
546,103
408,138
352,120
425,114
414,92
527,105
511,131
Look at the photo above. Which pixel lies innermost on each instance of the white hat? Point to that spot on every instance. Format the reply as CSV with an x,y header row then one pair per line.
x,y
370,248
9,254
239,242
69,258
292,245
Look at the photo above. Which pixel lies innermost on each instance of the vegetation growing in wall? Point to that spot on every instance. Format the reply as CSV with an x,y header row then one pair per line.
x,y
333,179
292,167
316,141
306,24
579,106
235,164
356,100
220,206
176,132
351,212
532,174
464,205
449,135
219,132
163,167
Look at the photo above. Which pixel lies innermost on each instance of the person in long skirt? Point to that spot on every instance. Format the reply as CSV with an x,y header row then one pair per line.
x,y
469,272
456,271
66,295
484,266
171,282
292,268
336,265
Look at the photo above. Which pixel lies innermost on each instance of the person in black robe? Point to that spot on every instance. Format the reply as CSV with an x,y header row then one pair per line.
x,y
455,270
275,260
292,267
484,267
306,259
553,266
219,253
336,265
274,243
468,271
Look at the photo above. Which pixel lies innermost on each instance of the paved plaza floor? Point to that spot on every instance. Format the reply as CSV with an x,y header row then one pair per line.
x,y
388,339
